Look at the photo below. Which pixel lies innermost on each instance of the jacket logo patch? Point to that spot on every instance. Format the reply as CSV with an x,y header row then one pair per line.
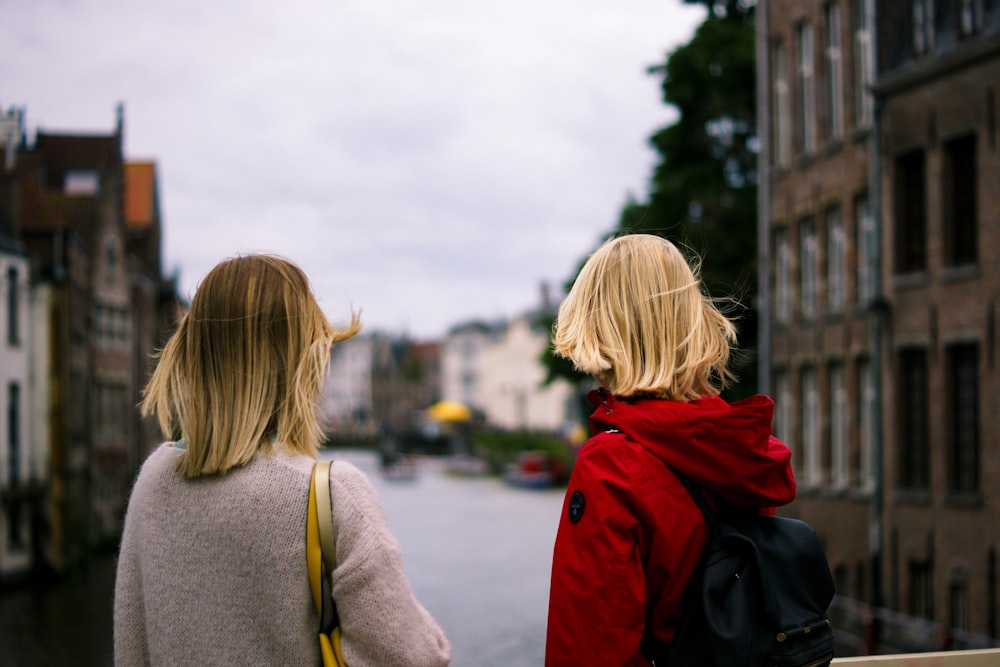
x,y
577,503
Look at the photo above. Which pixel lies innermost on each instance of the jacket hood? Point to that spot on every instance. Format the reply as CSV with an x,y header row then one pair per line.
x,y
726,448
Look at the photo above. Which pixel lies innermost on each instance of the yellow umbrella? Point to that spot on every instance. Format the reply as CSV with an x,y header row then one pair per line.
x,y
449,411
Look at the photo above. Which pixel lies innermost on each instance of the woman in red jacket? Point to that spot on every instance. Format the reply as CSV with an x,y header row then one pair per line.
x,y
630,536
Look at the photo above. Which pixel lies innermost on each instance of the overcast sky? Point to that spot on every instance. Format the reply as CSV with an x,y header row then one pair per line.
x,y
428,162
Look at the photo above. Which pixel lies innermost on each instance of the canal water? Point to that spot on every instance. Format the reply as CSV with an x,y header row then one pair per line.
x,y
477,553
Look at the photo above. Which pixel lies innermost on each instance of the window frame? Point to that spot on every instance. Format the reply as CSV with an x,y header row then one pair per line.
x,y
960,219
867,423
812,455
863,66
836,255
805,73
839,419
921,26
781,114
782,275
913,419
834,60
864,223
808,268
964,431
13,306
910,206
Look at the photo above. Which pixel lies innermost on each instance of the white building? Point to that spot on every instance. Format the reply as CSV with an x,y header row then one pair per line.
x,y
348,390
498,371
512,390
461,363
22,455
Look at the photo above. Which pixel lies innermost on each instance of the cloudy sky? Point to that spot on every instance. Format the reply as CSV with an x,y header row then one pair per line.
x,y
428,162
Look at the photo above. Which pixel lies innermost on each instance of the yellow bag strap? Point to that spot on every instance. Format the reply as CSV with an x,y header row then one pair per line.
x,y
324,510
314,555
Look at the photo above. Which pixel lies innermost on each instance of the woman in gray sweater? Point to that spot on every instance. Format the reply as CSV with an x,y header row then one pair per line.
x,y
212,567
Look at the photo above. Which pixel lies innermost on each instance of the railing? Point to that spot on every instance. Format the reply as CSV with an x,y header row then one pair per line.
x,y
860,629
977,658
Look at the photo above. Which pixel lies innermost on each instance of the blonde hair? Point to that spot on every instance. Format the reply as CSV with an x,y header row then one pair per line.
x,y
638,321
245,366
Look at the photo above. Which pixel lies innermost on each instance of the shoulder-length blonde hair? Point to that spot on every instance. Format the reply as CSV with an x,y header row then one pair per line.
x,y
245,366
637,319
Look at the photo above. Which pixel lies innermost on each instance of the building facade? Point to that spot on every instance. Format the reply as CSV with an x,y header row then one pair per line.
x,y
496,370
514,396
347,394
21,472
97,308
461,369
878,223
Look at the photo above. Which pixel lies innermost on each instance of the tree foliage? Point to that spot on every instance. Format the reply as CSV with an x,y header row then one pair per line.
x,y
703,189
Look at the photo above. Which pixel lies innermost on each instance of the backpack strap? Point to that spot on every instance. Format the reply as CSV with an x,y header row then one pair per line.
x,y
699,499
651,646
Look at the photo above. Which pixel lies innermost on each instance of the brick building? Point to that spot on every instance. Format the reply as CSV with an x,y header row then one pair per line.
x,y
880,245
89,225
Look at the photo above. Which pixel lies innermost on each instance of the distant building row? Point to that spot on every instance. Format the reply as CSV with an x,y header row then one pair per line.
x,y
84,305
880,249
380,382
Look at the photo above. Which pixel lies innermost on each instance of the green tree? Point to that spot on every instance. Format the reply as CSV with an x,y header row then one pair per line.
x,y
703,189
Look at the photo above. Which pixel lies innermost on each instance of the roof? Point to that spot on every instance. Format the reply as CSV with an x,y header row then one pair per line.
x,y
75,152
140,194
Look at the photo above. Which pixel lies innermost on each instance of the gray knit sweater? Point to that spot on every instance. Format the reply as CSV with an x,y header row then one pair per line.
x,y
212,571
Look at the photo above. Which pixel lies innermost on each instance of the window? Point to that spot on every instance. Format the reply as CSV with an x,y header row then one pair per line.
x,y
467,380
781,119
13,306
867,420
809,267
959,600
922,24
963,399
805,73
834,70
861,582
111,257
834,260
782,407
99,326
921,589
914,446
865,229
838,427
862,64
841,577
13,433
15,526
782,276
81,183
123,323
960,207
110,409
911,213
811,460
970,17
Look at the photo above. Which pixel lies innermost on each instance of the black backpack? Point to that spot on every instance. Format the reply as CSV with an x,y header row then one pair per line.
x,y
758,598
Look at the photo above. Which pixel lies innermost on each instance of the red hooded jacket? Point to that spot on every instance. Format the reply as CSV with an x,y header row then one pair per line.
x,y
630,536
